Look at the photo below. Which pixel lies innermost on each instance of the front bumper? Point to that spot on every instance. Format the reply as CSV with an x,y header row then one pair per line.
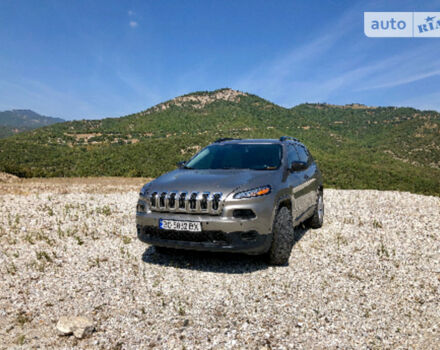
x,y
222,232
249,242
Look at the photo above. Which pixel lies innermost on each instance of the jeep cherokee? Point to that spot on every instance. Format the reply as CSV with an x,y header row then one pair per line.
x,y
234,195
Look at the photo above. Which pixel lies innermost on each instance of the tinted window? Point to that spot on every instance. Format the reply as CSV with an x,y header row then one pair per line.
x,y
292,154
238,156
303,157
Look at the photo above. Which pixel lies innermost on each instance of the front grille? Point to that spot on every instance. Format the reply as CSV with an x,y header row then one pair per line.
x,y
217,237
186,202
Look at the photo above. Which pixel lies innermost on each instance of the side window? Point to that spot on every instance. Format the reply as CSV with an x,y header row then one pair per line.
x,y
292,154
303,154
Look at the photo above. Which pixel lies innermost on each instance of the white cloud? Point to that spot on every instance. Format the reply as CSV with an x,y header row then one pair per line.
x,y
133,24
407,78
280,80
283,81
277,79
140,86
423,102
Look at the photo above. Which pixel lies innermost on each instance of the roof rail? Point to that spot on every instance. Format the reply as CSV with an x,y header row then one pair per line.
x,y
284,138
225,139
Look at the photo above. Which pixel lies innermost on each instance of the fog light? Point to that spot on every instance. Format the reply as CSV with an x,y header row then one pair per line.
x,y
245,214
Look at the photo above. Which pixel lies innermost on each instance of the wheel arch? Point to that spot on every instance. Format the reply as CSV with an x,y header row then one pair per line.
x,y
283,201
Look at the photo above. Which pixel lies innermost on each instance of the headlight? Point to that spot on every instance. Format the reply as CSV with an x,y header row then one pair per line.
x,y
255,192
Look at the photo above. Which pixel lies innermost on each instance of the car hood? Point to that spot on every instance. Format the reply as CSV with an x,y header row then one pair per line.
x,y
216,180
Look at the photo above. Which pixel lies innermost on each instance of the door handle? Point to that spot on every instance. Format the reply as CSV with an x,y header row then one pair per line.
x,y
306,177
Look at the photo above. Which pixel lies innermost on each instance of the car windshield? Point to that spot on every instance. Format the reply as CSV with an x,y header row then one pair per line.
x,y
238,156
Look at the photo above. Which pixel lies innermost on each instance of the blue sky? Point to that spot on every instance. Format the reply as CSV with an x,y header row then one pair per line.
x,y
93,59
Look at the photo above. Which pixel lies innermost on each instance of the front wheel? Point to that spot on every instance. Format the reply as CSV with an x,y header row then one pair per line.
x,y
161,250
317,218
283,238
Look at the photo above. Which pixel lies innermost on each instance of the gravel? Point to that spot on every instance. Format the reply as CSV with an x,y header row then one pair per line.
x,y
370,278
5,177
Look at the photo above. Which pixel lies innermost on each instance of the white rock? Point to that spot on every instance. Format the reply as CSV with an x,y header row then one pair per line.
x,y
345,283
79,326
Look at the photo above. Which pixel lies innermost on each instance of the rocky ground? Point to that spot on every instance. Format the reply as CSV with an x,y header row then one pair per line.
x,y
370,278
7,178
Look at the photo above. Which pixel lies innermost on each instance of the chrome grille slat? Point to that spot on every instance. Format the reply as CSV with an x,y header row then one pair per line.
x,y
171,201
153,200
191,202
203,201
182,201
162,200
187,202
209,203
215,202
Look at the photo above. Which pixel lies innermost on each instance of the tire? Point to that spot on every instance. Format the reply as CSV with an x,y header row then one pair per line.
x,y
317,219
161,250
283,238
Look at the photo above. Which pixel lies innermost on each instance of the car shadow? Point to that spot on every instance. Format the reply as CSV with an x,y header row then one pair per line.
x,y
232,263
300,231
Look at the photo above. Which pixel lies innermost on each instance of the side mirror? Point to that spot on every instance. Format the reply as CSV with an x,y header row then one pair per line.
x,y
181,164
297,166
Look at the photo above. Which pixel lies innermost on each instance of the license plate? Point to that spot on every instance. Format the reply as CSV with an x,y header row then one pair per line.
x,y
178,225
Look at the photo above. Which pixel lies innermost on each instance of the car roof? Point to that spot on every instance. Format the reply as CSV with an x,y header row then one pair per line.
x,y
238,141
249,141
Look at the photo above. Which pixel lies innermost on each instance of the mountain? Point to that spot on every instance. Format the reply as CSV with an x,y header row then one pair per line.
x,y
19,120
356,146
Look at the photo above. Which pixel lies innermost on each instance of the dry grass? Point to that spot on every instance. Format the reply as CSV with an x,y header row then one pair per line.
x,y
64,185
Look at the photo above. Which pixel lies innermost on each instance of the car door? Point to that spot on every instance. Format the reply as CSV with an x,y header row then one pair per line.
x,y
296,180
309,176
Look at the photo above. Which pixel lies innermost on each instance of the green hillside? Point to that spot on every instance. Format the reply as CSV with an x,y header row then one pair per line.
x,y
19,120
356,146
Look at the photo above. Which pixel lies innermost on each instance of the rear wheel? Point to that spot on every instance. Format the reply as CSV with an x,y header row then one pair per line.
x,y
283,238
317,218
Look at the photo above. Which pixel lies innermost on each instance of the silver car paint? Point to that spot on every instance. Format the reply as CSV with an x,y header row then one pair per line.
x,y
299,189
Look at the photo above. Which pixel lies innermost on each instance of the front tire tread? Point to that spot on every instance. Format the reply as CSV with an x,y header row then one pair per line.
x,y
283,238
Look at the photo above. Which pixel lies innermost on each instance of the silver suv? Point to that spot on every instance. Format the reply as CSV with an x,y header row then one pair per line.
x,y
234,195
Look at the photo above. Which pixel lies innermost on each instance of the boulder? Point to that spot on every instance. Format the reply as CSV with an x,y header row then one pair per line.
x,y
79,326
